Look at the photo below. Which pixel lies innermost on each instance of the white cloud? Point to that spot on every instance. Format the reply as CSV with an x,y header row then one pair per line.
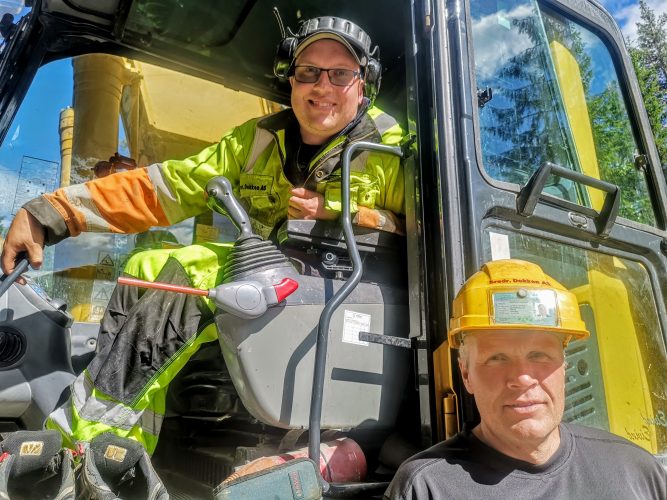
x,y
16,134
11,6
628,16
494,30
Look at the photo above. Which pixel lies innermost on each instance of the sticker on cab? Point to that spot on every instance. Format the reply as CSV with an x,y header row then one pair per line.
x,y
353,323
525,307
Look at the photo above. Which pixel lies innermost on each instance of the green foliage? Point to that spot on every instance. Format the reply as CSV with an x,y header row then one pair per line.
x,y
652,33
649,57
613,137
615,148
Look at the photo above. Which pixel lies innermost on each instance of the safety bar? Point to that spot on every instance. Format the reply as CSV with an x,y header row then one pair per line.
x,y
335,301
7,281
531,193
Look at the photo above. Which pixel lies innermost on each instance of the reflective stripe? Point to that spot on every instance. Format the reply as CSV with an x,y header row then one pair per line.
x,y
62,417
358,164
86,206
384,122
108,412
168,200
262,140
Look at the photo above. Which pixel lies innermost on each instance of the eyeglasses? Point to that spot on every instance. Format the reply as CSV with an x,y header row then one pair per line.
x,y
340,77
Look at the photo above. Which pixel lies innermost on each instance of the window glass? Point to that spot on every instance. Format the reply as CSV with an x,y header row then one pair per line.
x,y
11,13
556,97
92,116
617,379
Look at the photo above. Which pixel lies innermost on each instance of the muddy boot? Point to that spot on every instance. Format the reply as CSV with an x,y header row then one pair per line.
x,y
33,466
115,467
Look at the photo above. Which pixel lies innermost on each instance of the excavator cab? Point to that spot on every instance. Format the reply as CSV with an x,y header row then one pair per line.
x,y
531,141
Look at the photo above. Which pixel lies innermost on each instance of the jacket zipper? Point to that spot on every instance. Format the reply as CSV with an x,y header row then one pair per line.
x,y
335,150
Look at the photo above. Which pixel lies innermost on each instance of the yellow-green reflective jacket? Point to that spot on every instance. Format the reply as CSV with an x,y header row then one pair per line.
x,y
253,157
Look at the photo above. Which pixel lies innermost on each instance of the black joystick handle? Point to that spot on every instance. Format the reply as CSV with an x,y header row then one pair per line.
x,y
221,199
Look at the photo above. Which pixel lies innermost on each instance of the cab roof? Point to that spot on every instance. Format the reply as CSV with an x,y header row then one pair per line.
x,y
232,42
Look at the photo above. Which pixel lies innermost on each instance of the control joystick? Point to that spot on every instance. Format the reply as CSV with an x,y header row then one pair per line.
x,y
221,199
250,254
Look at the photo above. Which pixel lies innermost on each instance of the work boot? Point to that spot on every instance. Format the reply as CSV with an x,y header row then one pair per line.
x,y
33,466
115,467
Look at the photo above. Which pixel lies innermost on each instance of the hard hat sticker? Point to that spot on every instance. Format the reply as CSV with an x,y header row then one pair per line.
x,y
525,307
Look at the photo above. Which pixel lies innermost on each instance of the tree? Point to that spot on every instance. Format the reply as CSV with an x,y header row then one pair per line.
x,y
652,41
649,57
655,100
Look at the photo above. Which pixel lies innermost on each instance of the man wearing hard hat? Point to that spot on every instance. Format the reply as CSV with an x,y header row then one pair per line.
x,y
510,323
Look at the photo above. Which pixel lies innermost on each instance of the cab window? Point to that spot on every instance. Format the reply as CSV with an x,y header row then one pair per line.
x,y
97,114
616,379
10,18
555,97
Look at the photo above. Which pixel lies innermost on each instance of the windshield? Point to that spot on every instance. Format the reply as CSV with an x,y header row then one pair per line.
x,y
93,115
556,97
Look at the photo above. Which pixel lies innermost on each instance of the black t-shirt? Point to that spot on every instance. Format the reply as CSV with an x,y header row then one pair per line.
x,y
298,156
589,464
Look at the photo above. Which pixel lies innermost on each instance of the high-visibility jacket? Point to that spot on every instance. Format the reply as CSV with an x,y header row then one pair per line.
x,y
146,340
252,156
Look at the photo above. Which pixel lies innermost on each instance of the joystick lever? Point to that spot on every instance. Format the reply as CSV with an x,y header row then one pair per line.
x,y
221,199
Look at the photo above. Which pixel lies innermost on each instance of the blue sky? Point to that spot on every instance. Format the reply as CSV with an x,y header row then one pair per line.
x,y
626,13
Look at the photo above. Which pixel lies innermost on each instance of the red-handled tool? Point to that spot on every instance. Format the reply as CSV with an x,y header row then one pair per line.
x,y
245,299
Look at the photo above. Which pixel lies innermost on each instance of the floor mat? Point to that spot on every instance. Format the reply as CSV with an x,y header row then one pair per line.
x,y
182,488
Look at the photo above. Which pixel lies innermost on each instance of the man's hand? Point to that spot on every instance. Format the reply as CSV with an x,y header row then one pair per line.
x,y
25,234
305,204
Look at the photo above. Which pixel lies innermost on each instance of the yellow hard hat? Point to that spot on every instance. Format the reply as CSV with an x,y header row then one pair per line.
x,y
514,295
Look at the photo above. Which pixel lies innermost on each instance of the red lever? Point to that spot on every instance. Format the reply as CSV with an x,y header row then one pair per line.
x,y
285,288
123,280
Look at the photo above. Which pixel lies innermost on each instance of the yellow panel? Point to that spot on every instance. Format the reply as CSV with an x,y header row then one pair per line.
x,y
445,399
184,105
574,99
626,388
165,114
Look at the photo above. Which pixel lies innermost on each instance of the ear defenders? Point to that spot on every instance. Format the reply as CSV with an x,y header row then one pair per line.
x,y
356,38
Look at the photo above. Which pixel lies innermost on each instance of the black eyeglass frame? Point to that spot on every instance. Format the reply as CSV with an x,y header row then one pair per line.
x,y
355,74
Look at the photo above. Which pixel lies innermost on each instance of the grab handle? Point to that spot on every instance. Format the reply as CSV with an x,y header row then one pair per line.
x,y
531,194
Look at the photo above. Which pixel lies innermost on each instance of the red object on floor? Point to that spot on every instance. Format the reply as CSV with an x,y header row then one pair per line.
x,y
341,460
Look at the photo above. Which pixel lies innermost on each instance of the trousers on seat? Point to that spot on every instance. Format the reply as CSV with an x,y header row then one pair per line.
x,y
145,339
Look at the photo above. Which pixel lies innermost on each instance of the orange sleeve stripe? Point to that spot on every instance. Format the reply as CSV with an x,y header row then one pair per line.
x,y
120,203
127,201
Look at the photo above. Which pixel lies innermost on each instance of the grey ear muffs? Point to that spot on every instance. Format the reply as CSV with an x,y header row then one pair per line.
x,y
372,78
356,37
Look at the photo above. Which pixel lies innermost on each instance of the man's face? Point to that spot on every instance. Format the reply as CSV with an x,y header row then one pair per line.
x,y
518,381
324,109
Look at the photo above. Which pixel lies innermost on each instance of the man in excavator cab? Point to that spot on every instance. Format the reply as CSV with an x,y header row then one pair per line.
x,y
285,165
510,323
